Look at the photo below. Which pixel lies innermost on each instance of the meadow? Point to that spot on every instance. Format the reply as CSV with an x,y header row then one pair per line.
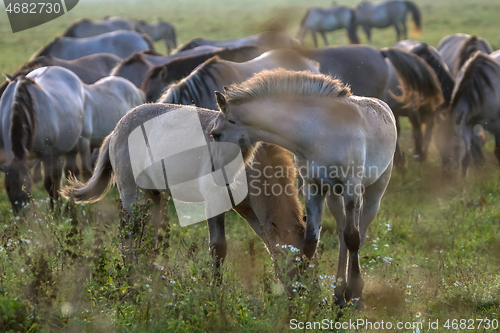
x,y
432,253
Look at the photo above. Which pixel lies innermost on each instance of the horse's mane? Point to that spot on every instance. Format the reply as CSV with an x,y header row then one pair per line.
x,y
470,88
443,74
282,82
70,31
23,119
136,57
26,68
471,45
179,68
189,87
189,45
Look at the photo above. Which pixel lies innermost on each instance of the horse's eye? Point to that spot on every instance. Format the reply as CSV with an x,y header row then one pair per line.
x,y
230,121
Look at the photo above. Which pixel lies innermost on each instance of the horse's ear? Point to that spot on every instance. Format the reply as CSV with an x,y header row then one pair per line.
x,y
221,102
7,77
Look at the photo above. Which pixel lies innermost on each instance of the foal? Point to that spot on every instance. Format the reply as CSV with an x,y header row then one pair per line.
x,y
343,145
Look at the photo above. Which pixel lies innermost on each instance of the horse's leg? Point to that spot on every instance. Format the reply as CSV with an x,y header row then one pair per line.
x,y
399,158
71,167
37,172
156,213
398,32
86,157
476,150
497,146
404,28
416,123
429,126
52,168
353,205
368,32
315,203
218,243
322,33
336,206
314,38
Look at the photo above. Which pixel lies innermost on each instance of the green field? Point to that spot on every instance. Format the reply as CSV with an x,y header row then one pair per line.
x,y
432,253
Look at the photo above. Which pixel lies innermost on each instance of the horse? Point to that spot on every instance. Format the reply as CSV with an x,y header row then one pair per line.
x,y
89,68
136,67
269,40
160,77
87,28
275,218
423,114
120,43
475,106
458,48
386,13
161,31
198,88
43,117
106,102
328,19
346,159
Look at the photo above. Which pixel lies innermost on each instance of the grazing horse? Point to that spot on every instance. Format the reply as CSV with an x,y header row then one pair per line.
x,y
346,159
386,13
475,106
160,31
424,114
354,63
456,49
328,19
89,68
87,28
120,43
269,40
198,88
276,218
160,77
137,67
43,116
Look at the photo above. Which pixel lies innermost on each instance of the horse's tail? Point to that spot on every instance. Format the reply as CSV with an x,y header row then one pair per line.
x,y
420,85
471,88
351,30
416,15
303,30
149,41
97,186
23,119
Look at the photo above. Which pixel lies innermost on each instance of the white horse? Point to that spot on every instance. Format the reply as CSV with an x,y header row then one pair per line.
x,y
38,117
343,146
43,115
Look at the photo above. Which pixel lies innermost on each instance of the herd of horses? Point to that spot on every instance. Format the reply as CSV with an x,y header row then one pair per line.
x,y
332,107
367,14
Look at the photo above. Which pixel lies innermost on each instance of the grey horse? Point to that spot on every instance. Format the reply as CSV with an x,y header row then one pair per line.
x,y
160,31
120,43
388,13
328,19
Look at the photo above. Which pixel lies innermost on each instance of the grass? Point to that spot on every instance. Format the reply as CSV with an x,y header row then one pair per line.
x,y
432,253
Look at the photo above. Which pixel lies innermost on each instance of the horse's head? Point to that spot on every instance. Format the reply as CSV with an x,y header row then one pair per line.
x,y
18,183
228,127
451,142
